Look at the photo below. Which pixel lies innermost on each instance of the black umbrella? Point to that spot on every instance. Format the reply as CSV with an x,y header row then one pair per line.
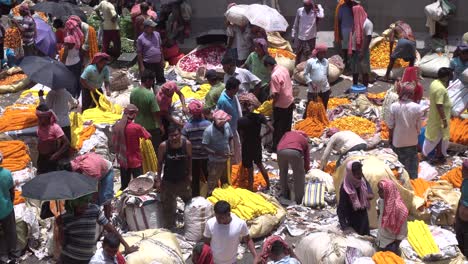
x,y
61,9
59,185
48,72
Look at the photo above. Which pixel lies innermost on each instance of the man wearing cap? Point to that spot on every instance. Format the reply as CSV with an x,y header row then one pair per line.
x,y
126,136
7,214
92,78
27,26
217,87
149,51
193,131
304,30
110,27
149,115
460,63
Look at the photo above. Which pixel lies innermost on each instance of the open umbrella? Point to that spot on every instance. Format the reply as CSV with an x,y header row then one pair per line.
x,y
266,17
61,9
48,72
46,41
59,185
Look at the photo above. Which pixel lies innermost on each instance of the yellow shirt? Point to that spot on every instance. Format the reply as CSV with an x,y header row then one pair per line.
x,y
108,12
438,96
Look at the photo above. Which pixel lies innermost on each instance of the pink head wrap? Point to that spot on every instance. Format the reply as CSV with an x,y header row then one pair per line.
x,y
409,86
360,17
100,56
75,18
319,48
169,86
262,43
250,100
266,249
73,29
220,118
395,211
350,185
195,108
48,114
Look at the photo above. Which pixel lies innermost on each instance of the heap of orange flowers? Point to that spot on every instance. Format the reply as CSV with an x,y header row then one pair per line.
x,y
239,178
454,176
376,95
459,131
15,155
12,79
282,53
17,117
316,120
335,102
380,56
358,125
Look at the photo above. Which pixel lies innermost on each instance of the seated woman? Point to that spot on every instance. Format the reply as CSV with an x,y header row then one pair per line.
x,y
52,144
355,194
393,215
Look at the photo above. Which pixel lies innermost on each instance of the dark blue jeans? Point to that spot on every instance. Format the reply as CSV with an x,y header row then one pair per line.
x,y
408,156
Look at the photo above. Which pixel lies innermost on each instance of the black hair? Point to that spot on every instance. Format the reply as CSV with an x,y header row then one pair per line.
x,y
42,107
222,207
232,83
58,23
228,60
356,167
277,248
444,72
144,7
147,75
172,128
269,61
112,240
66,165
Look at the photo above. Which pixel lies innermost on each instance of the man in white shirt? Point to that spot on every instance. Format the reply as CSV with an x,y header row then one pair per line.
x,y
240,39
342,142
304,30
405,125
224,232
316,76
359,45
110,26
248,81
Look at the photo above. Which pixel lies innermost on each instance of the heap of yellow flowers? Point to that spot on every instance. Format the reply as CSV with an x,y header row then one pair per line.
x,y
380,56
376,95
421,239
358,125
244,203
335,102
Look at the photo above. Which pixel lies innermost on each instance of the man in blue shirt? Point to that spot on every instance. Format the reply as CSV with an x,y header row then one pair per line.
x,y
7,214
460,63
229,103
92,78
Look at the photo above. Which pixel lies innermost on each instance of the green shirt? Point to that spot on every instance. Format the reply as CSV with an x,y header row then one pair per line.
x,y
438,96
211,98
147,105
257,67
6,183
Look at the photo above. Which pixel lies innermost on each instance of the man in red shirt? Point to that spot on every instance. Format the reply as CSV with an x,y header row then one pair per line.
x,y
293,149
126,136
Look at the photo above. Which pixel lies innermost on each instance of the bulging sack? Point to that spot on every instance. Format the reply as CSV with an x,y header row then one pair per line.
x,y
431,63
196,213
119,80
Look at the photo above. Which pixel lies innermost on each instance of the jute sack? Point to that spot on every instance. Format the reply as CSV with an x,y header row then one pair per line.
x,y
265,224
155,246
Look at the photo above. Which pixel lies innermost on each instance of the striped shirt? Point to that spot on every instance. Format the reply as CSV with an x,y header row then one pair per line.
x,y
193,131
80,233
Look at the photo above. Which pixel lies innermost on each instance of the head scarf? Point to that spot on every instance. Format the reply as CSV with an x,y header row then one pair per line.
x,y
360,17
169,86
205,256
319,48
350,185
395,211
220,118
406,91
75,18
118,134
100,56
195,108
69,39
165,101
266,249
410,75
24,8
262,43
73,29
249,100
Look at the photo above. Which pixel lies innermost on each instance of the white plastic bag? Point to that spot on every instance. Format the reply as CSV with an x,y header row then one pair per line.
x,y
196,213
426,171
431,63
458,94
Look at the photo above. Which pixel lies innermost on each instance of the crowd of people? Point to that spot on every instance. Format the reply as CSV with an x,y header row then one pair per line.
x,y
224,129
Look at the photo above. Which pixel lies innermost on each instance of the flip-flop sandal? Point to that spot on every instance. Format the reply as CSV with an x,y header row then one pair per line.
x,y
382,79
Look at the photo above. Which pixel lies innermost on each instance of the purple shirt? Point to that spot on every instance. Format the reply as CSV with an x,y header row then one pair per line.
x,y
150,47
